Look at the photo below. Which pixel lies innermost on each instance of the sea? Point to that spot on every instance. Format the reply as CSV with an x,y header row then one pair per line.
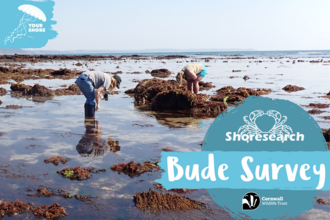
x,y
284,53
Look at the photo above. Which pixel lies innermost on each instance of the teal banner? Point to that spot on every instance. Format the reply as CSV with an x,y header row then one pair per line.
x,y
246,170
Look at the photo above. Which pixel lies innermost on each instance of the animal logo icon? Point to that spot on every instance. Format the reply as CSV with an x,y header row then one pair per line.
x,y
251,127
251,201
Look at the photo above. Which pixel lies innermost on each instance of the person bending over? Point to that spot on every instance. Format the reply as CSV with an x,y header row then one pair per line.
x,y
193,73
94,83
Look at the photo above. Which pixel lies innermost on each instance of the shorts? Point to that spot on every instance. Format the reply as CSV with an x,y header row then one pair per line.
x,y
203,73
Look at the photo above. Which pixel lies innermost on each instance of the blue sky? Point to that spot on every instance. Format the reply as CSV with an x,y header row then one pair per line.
x,y
193,24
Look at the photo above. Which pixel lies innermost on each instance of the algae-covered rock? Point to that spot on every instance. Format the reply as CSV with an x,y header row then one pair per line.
x,y
39,90
230,95
3,91
24,89
292,88
176,100
162,73
147,89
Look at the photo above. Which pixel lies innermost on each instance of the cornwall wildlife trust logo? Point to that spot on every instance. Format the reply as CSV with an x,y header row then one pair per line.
x,y
251,201
27,25
273,129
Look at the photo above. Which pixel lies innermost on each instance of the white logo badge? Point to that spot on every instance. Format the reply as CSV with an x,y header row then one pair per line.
x,y
278,128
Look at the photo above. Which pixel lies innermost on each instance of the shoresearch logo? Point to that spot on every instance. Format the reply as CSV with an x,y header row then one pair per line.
x,y
273,129
251,201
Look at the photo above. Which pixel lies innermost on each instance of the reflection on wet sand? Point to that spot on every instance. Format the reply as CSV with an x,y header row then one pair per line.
x,y
91,143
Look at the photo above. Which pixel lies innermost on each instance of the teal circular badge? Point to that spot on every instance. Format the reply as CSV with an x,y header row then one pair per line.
x,y
269,126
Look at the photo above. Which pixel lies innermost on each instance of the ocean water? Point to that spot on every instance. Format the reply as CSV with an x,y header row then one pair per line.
x,y
289,53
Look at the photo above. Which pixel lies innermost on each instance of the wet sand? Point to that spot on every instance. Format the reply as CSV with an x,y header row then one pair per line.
x,y
55,126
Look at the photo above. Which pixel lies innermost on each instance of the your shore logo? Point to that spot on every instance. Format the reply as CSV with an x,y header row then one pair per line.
x,y
251,201
28,23
268,156
274,129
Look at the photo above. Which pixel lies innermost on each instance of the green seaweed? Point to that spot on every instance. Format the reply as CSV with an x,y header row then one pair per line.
x,y
225,99
68,173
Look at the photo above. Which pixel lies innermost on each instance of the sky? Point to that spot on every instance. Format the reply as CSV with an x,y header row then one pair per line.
x,y
191,24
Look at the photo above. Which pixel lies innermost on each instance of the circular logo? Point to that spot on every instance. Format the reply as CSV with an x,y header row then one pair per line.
x,y
251,201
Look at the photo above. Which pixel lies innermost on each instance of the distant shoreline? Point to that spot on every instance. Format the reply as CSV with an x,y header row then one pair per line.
x,y
250,52
293,54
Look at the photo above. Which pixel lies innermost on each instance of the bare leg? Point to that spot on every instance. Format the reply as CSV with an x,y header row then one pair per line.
x,y
190,82
196,84
190,87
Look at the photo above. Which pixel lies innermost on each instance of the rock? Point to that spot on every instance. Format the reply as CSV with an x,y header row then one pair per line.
x,y
54,211
129,91
246,77
188,103
208,108
315,111
205,85
3,91
13,106
117,72
230,95
74,87
326,134
56,160
176,100
135,72
39,90
162,73
319,105
65,72
14,208
169,57
78,173
114,145
155,202
135,169
147,89
71,90
292,88
5,69
22,88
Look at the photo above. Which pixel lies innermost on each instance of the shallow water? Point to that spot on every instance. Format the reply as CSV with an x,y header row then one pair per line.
x,y
55,127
